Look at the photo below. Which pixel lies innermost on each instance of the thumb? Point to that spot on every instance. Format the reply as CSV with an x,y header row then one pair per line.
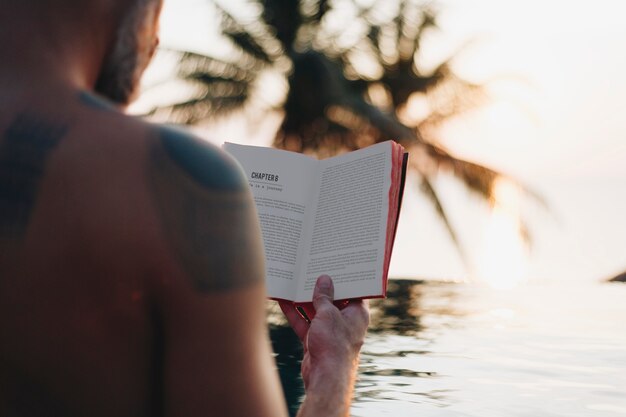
x,y
323,293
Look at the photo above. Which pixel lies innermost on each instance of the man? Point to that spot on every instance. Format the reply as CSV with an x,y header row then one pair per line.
x,y
131,268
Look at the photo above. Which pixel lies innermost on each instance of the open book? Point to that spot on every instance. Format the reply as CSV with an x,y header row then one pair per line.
x,y
335,216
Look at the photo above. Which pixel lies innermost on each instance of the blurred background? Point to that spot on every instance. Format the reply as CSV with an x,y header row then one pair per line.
x,y
513,217
542,98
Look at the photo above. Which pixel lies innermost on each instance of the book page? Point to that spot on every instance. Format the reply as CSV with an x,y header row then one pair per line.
x,y
280,182
349,221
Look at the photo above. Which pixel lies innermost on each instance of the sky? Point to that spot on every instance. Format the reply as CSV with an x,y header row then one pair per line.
x,y
572,56
555,122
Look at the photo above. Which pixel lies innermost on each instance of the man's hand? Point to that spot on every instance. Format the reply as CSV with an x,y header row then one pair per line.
x,y
332,342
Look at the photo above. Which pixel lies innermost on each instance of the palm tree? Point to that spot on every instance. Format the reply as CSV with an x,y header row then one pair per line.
x,y
351,73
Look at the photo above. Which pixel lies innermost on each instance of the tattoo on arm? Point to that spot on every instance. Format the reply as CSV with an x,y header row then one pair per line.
x,y
209,220
25,149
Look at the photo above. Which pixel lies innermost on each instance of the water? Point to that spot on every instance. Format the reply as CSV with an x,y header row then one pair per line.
x,y
447,350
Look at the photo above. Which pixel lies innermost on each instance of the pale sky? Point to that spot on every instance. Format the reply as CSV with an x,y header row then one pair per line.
x,y
572,54
561,130
557,122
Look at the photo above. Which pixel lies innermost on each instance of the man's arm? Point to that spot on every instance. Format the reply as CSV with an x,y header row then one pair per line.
x,y
332,342
211,299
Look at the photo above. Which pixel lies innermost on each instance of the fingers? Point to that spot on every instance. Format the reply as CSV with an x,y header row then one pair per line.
x,y
354,303
357,311
323,293
296,321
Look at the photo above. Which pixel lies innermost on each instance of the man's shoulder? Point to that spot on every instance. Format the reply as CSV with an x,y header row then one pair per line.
x,y
197,200
203,201
201,161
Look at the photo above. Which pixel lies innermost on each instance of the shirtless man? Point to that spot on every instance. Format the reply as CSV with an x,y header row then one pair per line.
x,y
131,267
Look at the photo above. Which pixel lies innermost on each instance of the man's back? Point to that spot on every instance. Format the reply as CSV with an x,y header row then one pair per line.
x,y
131,266
86,257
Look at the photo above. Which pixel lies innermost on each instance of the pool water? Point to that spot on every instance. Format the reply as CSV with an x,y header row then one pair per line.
x,y
445,349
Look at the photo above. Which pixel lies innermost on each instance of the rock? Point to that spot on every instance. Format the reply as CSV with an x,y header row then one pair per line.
x,y
619,278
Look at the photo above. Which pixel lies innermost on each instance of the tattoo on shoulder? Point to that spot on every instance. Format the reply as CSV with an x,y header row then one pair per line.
x,y
95,102
25,149
210,223
204,164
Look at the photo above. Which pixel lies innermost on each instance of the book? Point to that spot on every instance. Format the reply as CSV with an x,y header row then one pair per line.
x,y
336,216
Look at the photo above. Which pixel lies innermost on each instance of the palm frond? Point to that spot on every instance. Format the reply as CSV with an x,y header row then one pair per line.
x,y
250,38
199,109
193,63
323,7
248,44
477,178
285,19
429,191
450,96
525,234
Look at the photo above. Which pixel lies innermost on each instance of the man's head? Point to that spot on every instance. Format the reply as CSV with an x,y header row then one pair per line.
x,y
135,42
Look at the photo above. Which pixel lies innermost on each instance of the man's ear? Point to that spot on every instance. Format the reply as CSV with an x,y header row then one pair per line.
x,y
155,45
154,18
